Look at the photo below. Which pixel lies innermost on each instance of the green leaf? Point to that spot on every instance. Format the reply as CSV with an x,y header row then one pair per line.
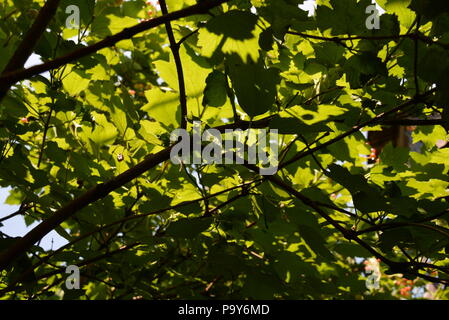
x,y
163,106
430,9
255,86
342,17
74,83
188,192
100,153
215,93
103,133
366,197
291,125
109,24
188,228
15,197
234,32
195,73
266,39
55,153
315,241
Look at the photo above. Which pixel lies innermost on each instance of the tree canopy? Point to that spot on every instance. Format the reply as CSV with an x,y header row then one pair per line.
x,y
86,141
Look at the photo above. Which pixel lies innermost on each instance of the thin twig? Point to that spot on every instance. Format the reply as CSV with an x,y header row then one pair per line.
x,y
415,61
357,128
388,37
174,46
30,40
9,78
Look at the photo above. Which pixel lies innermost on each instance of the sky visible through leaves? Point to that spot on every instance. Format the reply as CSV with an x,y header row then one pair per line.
x,y
16,226
358,207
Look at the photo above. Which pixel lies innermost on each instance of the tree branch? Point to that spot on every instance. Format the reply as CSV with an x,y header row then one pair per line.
x,y
101,190
395,267
90,196
23,208
391,225
413,36
355,129
31,38
43,260
348,234
12,77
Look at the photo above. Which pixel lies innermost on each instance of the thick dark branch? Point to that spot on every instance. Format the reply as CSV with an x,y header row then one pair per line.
x,y
396,267
90,196
26,47
243,186
348,234
101,190
175,50
12,77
